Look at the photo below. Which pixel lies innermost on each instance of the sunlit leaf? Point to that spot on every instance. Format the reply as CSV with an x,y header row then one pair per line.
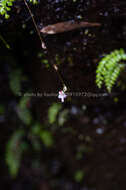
x,y
109,69
63,117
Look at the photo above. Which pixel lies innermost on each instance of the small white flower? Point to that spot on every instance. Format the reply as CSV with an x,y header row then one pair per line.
x,y
62,95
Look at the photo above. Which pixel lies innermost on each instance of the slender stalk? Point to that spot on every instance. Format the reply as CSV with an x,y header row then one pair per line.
x,y
43,45
34,22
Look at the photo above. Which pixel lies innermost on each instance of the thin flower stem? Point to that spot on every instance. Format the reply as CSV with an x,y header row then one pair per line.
x,y
43,44
34,22
59,75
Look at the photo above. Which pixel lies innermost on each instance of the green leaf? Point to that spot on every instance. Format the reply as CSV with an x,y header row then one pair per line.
x,y
46,138
14,150
23,111
79,175
53,111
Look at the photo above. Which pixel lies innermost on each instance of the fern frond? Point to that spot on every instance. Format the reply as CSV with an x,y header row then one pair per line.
x,y
109,69
113,77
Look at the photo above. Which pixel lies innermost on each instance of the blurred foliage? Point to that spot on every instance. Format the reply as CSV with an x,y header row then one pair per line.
x,y
2,109
81,149
33,1
14,150
46,138
44,134
16,145
23,110
63,117
79,175
5,7
53,111
57,59
109,69
44,60
70,60
15,79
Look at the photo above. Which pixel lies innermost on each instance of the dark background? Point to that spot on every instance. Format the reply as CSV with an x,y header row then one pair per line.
x,y
93,137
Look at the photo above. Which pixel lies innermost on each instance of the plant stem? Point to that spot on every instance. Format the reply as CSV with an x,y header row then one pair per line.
x,y
34,22
43,44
